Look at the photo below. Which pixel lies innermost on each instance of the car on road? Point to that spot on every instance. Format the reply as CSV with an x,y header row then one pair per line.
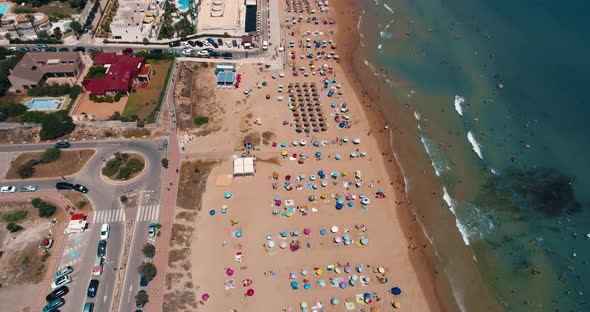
x,y
152,230
79,49
264,45
92,50
234,43
8,189
174,44
203,53
57,293
64,50
92,288
226,54
64,280
62,144
219,41
143,282
64,186
88,307
137,303
63,271
28,188
51,49
54,305
158,51
199,43
102,248
104,231
98,266
81,188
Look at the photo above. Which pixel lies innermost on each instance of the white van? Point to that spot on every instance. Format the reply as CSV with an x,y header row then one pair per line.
x,y
264,45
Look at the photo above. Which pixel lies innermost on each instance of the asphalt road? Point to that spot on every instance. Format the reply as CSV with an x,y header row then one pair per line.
x,y
105,200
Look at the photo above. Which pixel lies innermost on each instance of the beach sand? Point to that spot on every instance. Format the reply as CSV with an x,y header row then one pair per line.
x,y
205,246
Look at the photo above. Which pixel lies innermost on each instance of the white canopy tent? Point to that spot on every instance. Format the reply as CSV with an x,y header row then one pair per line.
x,y
243,166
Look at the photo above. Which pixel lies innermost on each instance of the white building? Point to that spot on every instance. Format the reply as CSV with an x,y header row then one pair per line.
x,y
137,19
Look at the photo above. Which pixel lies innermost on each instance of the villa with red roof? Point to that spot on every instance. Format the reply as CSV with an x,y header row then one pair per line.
x,y
123,72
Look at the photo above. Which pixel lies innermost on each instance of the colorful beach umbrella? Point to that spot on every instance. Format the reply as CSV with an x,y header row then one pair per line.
x,y
227,195
205,297
250,292
229,271
212,212
396,291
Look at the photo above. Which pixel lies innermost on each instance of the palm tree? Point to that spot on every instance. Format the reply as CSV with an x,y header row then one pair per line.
x,y
11,22
31,20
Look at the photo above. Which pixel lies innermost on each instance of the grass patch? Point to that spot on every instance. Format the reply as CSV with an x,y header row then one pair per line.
x,y
70,162
96,72
123,166
144,102
137,133
15,216
45,256
77,198
201,120
193,179
55,8
179,239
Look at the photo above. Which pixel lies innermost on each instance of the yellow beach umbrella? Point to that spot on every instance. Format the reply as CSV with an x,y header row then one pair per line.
x,y
397,304
284,153
323,196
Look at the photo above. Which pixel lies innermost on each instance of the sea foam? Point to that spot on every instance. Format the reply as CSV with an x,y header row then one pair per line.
x,y
451,203
388,8
458,101
474,144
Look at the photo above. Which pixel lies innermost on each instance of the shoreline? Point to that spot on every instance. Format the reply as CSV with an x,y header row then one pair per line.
x,y
462,276
424,259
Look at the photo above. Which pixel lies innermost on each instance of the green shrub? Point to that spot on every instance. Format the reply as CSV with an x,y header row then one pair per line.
x,y
117,97
46,209
33,117
123,198
147,270
132,166
50,155
199,121
149,250
36,202
81,204
15,216
96,72
56,125
26,171
165,162
13,227
75,91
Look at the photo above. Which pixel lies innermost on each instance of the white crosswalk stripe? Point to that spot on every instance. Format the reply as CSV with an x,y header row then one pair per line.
x,y
148,213
105,216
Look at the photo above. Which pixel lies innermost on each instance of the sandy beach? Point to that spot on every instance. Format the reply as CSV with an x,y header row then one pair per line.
x,y
323,222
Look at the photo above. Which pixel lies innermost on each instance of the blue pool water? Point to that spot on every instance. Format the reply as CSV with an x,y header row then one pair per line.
x,y
4,8
183,4
45,104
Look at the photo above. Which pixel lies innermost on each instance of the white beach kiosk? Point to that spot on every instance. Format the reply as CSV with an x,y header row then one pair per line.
x,y
244,166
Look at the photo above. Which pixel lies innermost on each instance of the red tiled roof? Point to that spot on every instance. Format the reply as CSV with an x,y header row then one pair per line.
x,y
123,70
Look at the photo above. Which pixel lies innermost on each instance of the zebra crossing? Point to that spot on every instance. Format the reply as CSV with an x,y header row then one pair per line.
x,y
148,213
106,216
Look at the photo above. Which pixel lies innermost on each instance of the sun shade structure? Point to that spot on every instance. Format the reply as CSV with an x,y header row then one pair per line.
x,y
244,166
226,78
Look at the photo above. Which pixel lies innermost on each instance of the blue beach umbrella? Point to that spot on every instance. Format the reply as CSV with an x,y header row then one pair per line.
x,y
350,204
284,234
332,104
323,231
337,156
238,233
212,212
353,155
345,139
318,154
364,241
340,201
339,206
306,286
316,143
227,195
283,144
294,285
396,291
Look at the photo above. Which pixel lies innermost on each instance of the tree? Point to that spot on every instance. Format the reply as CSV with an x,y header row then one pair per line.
x,y
165,162
76,28
76,89
13,227
46,209
36,202
149,250
26,171
33,117
56,125
50,155
57,33
147,270
43,34
141,298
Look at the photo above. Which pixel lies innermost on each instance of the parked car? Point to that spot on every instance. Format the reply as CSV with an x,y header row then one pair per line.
x,y
199,43
143,282
187,52
102,248
234,43
62,144
203,53
13,49
54,305
88,307
64,280
92,50
23,49
104,231
205,42
228,44
64,186
140,304
210,40
174,44
191,43
50,49
79,49
98,266
28,188
157,51
81,188
226,54
57,293
219,41
215,45
64,49
215,54
34,49
7,189
92,288
63,271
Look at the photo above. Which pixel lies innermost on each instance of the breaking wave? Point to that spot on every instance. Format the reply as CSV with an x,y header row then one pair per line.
x,y
458,101
474,144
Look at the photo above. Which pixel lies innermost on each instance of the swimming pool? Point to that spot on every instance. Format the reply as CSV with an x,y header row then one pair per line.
x,y
4,8
182,5
45,103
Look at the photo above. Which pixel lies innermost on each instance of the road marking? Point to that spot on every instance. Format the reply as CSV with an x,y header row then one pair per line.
x,y
105,216
148,213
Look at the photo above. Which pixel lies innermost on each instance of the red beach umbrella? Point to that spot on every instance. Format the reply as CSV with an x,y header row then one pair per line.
x,y
250,292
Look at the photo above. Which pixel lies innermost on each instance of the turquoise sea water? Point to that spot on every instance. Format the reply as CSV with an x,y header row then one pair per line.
x,y
494,94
